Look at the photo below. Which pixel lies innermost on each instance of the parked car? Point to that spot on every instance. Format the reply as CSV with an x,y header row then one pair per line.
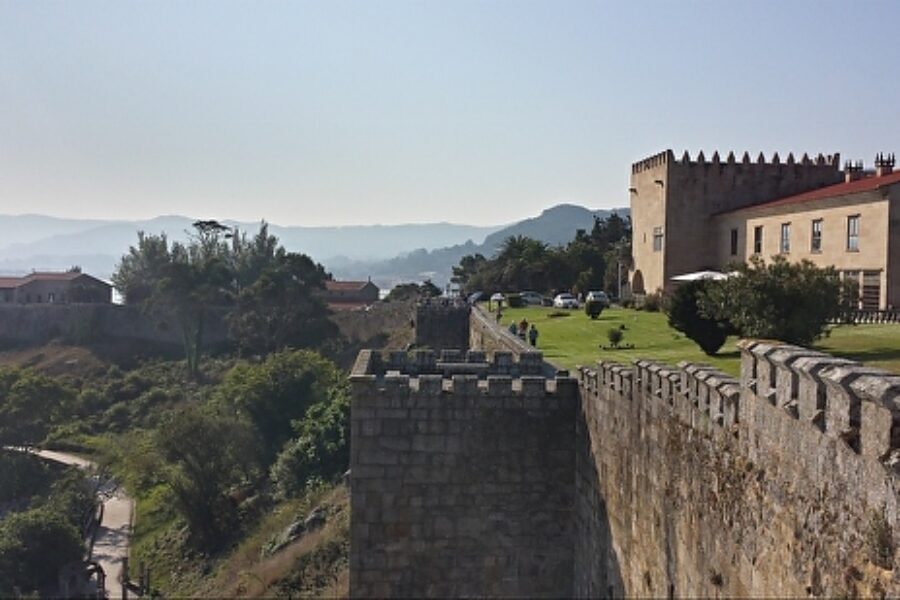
x,y
598,296
565,301
532,298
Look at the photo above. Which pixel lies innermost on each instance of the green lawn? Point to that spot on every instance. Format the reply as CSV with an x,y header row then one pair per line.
x,y
576,339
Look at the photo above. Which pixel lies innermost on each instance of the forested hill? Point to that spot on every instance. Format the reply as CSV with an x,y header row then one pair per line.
x,y
554,226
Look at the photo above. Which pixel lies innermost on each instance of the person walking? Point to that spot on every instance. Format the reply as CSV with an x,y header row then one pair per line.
x,y
532,335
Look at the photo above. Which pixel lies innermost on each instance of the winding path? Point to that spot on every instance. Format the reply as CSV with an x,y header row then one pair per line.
x,y
114,531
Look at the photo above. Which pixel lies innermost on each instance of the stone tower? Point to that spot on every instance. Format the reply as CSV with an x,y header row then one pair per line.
x,y
672,201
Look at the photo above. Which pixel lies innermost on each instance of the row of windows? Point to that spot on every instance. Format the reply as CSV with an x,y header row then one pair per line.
x,y
815,243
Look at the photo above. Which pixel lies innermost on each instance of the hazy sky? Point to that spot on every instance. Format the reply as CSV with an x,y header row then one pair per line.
x,y
387,111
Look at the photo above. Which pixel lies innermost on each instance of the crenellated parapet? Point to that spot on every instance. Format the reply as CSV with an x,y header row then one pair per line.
x,y
659,159
449,362
832,161
699,396
843,399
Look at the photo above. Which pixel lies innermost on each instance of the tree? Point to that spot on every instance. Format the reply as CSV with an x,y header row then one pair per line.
x,y
685,315
791,302
30,403
468,266
413,291
34,545
140,271
321,448
282,307
209,454
277,392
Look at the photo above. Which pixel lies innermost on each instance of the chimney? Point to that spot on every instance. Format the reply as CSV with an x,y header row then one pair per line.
x,y
853,171
884,164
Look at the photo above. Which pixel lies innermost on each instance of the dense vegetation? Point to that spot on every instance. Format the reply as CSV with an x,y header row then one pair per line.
x,y
791,302
209,451
49,510
271,297
589,262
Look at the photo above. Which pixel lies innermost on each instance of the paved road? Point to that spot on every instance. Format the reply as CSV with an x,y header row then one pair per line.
x,y
114,532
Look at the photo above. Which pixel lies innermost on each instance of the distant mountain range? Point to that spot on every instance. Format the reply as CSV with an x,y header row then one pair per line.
x,y
555,226
29,242
387,253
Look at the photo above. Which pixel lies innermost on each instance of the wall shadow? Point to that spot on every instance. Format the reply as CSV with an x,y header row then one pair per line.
x,y
597,571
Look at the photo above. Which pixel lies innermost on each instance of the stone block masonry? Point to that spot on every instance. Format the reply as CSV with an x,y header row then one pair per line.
x,y
442,324
472,475
462,479
781,484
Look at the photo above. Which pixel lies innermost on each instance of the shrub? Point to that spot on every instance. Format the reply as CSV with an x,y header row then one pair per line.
x,y
652,302
593,308
514,301
791,302
685,315
615,335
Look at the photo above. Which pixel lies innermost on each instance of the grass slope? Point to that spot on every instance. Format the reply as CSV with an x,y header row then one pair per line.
x,y
575,339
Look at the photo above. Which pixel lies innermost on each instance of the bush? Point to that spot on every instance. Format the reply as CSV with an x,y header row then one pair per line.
x,y
615,336
652,302
685,316
791,302
514,301
593,308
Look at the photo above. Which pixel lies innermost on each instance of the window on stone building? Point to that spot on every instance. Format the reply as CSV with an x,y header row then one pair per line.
x,y
785,238
815,244
853,233
757,239
734,242
657,239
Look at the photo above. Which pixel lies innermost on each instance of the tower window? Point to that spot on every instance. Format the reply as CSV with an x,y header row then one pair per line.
x,y
657,239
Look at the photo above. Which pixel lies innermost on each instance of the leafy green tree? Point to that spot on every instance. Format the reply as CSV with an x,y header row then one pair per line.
x,y
209,455
283,307
685,315
277,392
413,291
468,266
526,264
139,271
30,403
34,545
791,302
321,449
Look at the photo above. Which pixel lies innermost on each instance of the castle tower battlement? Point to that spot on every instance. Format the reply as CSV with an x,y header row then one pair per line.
x,y
461,475
673,201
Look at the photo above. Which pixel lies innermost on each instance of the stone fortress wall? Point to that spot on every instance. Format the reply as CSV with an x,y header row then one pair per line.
x,y
30,324
782,483
461,476
472,476
442,325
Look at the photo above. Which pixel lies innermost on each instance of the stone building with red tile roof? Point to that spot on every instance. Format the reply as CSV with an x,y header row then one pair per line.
x,y
351,292
691,215
57,287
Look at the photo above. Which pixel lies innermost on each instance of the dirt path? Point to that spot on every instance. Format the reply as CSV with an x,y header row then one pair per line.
x,y
114,532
